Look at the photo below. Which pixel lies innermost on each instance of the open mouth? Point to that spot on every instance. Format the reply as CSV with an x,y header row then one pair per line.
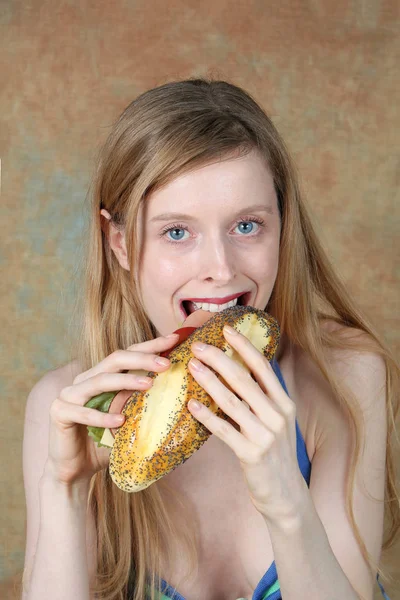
x,y
187,306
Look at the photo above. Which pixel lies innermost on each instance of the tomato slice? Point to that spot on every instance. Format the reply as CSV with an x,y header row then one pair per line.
x,y
183,333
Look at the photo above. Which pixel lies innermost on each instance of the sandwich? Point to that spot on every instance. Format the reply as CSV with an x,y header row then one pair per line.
x,y
159,432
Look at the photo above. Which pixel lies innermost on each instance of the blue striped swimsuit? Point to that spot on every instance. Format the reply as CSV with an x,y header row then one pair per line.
x,y
268,587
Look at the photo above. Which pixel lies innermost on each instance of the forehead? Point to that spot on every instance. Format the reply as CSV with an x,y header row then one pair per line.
x,y
226,184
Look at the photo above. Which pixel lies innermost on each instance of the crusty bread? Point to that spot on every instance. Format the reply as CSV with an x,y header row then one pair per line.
x,y
159,432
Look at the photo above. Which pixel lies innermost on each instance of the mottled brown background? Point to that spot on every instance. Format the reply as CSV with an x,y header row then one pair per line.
x,y
325,70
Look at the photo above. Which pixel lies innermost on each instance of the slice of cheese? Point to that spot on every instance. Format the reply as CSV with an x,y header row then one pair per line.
x,y
107,439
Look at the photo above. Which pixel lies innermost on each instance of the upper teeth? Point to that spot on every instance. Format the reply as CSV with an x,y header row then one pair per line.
x,y
214,307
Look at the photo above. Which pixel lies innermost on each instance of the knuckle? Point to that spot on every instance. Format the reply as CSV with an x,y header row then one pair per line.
x,y
262,363
239,377
65,392
87,419
242,375
257,456
101,379
224,428
243,457
280,424
132,347
250,456
117,356
55,408
290,409
232,400
78,379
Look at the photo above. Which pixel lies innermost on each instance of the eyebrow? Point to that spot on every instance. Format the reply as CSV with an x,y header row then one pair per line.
x,y
175,215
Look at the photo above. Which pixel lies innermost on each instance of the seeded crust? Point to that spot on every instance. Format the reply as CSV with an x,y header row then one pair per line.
x,y
130,468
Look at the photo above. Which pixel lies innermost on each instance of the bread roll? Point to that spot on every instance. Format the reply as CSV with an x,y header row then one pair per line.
x,y
159,432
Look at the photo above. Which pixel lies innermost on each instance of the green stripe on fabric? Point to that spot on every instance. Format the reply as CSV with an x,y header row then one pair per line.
x,y
272,588
158,595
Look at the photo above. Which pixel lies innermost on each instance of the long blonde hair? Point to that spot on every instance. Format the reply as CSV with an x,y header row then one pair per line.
x,y
164,132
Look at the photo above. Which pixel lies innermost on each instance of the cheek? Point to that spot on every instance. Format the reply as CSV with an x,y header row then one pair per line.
x,y
160,272
266,276
265,264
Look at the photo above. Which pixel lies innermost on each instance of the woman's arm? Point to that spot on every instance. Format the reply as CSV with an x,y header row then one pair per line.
x,y
318,556
60,536
60,570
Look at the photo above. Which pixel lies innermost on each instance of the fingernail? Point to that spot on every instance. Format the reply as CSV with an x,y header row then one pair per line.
x,y
162,361
199,346
230,330
145,380
119,418
196,364
172,335
194,405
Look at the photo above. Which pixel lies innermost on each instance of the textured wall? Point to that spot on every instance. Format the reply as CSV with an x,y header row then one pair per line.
x,y
326,71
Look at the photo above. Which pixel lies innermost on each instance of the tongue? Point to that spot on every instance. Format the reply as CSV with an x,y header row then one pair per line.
x,y
190,324
197,318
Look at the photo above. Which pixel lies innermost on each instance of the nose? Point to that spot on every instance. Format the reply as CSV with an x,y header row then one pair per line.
x,y
216,261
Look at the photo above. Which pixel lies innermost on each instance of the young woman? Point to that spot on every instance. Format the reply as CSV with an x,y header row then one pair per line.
x,y
195,197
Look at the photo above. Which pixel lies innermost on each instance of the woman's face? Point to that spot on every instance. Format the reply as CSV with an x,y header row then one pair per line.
x,y
213,247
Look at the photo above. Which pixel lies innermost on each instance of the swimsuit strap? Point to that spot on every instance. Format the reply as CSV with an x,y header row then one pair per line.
x,y
302,456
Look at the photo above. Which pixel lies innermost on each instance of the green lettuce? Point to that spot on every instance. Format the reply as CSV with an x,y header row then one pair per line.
x,y
101,402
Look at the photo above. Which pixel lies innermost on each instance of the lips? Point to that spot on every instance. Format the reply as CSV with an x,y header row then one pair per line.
x,y
243,299
216,300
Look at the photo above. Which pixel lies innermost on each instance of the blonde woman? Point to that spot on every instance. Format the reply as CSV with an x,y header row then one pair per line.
x,y
195,199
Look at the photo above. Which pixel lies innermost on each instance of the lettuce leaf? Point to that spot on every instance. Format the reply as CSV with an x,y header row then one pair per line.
x,y
101,402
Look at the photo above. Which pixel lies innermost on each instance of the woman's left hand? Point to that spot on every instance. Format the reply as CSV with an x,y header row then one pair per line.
x,y
266,442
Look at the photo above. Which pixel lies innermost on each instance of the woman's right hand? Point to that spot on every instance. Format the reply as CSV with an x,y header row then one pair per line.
x,y
73,455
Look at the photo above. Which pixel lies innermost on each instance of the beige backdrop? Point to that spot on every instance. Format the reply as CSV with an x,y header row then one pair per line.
x,y
325,70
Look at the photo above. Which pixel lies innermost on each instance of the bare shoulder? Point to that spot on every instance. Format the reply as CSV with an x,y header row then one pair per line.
x,y
47,389
358,357
359,370
354,363
359,366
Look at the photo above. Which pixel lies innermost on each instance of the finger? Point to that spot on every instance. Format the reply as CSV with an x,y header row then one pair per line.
x,y
80,393
242,447
241,382
263,373
157,344
126,360
66,415
230,403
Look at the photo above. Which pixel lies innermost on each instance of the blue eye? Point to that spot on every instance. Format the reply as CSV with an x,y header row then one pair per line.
x,y
248,228
174,230
246,223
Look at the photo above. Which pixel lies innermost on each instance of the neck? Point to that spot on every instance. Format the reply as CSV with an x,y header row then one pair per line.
x,y
283,348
